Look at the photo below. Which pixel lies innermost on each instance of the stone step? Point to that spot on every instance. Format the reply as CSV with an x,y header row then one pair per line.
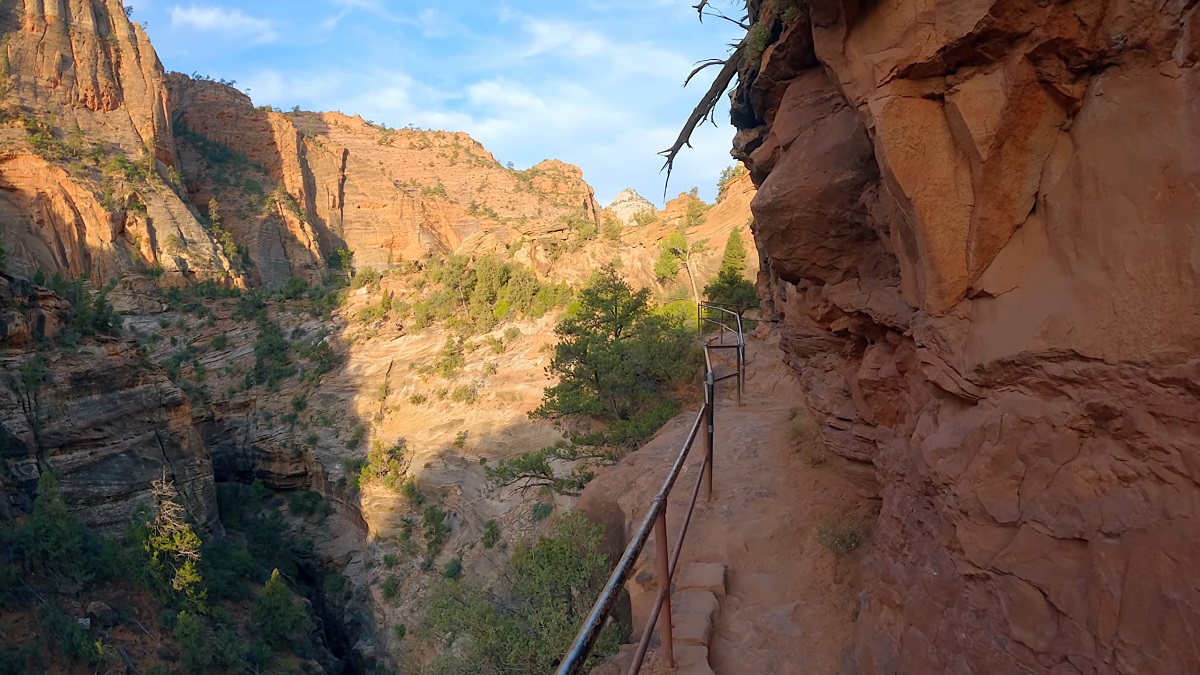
x,y
692,660
693,615
704,576
694,608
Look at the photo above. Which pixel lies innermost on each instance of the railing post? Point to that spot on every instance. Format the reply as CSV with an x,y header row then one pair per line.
x,y
667,646
741,369
710,401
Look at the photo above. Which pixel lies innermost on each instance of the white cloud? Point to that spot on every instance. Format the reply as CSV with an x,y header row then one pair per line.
x,y
604,95
584,45
228,22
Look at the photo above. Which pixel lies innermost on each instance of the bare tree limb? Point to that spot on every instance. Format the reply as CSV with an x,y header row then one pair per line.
x,y
743,24
707,63
704,109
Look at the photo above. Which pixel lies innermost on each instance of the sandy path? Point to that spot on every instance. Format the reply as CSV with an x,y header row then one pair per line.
x,y
790,602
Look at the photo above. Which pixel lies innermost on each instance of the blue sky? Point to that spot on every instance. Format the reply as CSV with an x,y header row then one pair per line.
x,y
596,83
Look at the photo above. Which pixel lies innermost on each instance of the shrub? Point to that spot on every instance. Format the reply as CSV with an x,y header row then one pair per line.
x,y
645,217
417,399
356,437
271,355
334,585
542,511
464,393
307,503
194,636
728,175
52,542
491,534
494,344
453,569
841,538
437,530
756,40
173,244
390,587
90,314
411,493
451,359
388,463
529,622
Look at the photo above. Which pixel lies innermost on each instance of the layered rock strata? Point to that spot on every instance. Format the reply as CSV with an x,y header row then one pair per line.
x,y
104,421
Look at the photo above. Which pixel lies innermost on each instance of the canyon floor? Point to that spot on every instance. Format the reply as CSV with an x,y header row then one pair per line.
x,y
790,602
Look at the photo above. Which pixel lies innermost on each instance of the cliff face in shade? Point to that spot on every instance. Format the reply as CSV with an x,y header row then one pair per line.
x,y
978,224
105,422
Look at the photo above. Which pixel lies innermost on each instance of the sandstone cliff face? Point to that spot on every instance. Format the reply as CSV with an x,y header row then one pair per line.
x,y
316,182
84,61
86,146
978,225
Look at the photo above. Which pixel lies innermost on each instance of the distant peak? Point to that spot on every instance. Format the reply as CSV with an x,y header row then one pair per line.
x,y
628,204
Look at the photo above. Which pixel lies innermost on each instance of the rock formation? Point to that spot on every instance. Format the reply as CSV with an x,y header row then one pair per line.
x,y
107,423
628,204
292,185
115,172
978,227
86,143
109,166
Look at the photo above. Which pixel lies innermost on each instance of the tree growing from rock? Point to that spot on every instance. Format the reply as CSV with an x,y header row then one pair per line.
x,y
174,547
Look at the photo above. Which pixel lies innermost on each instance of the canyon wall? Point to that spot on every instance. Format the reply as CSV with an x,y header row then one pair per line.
x,y
106,421
109,167
292,185
978,226
85,146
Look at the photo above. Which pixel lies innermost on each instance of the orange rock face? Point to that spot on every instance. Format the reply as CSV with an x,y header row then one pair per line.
x,y
71,197
979,227
389,195
111,166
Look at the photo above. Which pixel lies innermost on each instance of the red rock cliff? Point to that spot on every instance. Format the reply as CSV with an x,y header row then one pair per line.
x,y
978,223
86,146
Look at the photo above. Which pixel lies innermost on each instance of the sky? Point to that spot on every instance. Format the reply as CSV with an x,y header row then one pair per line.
x,y
596,83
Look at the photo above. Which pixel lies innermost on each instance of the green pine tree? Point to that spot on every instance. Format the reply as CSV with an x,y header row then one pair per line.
x,y
278,618
735,253
730,287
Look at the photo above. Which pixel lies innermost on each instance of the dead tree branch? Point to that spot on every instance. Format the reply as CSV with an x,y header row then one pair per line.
x,y
704,109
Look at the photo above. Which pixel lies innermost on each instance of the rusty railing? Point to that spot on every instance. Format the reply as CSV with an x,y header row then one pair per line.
x,y
729,323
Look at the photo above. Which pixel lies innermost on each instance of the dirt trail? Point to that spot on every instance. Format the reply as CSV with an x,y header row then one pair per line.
x,y
790,602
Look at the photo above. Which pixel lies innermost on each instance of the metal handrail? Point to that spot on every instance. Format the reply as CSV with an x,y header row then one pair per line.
x,y
656,520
